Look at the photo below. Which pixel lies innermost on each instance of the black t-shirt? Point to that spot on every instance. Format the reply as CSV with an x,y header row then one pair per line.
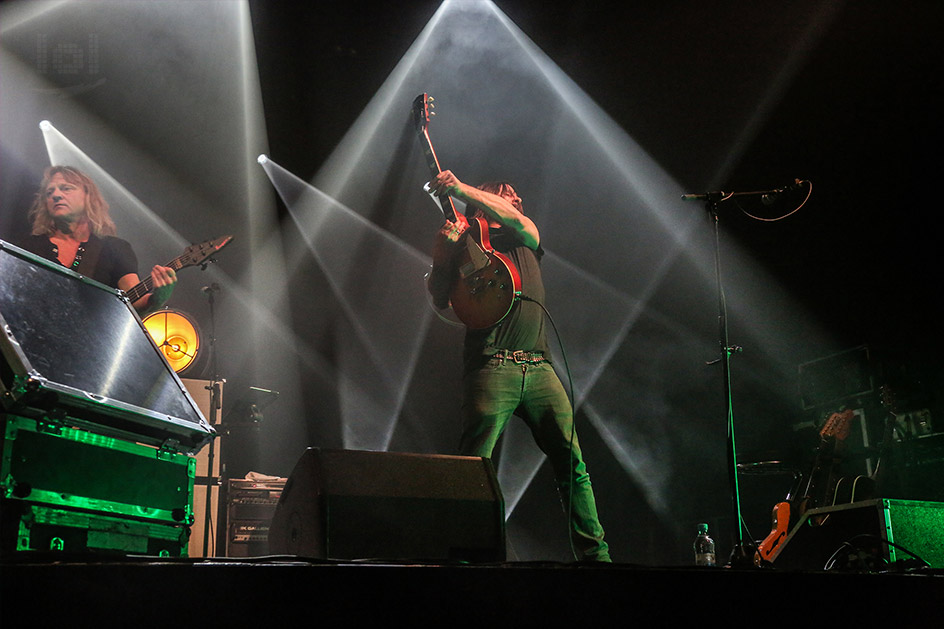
x,y
524,327
115,258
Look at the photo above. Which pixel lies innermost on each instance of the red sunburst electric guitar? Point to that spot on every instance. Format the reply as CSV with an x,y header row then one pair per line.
x,y
487,283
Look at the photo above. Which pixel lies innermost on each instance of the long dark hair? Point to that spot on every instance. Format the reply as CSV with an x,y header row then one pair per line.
x,y
498,187
495,187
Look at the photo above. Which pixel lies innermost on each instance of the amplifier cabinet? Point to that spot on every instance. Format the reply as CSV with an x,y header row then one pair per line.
x,y
204,534
250,507
56,466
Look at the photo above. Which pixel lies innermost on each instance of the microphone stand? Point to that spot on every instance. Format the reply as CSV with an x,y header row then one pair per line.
x,y
215,406
740,554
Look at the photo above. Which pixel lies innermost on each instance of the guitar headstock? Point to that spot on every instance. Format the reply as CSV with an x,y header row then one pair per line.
x,y
888,399
838,425
422,111
198,254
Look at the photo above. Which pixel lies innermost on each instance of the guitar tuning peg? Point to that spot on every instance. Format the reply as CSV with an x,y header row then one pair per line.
x,y
432,113
430,99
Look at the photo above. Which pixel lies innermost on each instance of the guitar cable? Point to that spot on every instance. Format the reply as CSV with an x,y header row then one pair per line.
x,y
853,545
768,199
573,419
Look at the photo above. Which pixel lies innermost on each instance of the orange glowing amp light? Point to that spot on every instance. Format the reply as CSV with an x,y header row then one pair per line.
x,y
176,335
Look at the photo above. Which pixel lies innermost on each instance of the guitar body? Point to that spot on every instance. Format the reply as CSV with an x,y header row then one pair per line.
x,y
487,281
783,517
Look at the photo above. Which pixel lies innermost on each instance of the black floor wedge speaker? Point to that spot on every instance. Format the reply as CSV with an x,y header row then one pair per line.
x,y
349,504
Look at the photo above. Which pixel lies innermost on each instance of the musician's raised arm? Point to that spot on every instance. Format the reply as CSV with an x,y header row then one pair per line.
x,y
498,202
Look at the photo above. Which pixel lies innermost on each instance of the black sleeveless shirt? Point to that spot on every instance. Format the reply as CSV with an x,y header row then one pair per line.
x,y
524,327
115,258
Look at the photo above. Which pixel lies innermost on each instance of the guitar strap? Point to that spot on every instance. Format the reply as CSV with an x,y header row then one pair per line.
x,y
92,249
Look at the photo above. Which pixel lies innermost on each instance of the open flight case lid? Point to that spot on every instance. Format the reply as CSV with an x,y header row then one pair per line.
x,y
75,352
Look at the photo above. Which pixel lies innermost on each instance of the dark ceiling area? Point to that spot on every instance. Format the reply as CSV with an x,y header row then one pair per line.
x,y
858,118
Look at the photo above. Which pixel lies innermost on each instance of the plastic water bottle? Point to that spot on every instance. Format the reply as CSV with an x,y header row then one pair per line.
x,y
704,547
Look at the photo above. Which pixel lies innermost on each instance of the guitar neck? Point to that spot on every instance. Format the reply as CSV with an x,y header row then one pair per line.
x,y
449,210
146,285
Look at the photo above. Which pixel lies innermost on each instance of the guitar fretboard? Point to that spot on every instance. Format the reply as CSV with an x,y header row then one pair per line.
x,y
147,284
194,255
449,210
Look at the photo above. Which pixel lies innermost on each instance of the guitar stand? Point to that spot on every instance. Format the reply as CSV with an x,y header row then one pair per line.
x,y
742,554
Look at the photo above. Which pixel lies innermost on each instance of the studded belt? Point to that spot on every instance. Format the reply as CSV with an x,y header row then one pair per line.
x,y
519,356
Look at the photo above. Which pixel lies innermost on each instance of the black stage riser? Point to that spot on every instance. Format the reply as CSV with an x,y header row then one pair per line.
x,y
248,595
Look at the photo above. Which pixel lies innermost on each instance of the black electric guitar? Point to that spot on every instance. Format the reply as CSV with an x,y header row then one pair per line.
x,y
487,283
192,256
824,477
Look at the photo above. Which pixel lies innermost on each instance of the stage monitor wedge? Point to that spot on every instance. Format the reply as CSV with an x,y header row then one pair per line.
x,y
74,351
350,504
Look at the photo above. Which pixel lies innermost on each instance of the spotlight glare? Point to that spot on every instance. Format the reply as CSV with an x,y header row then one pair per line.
x,y
45,125
369,414
262,159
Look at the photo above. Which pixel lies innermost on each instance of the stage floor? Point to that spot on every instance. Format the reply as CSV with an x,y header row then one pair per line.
x,y
246,592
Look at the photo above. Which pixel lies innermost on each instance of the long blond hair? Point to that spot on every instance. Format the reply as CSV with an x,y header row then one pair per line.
x,y
96,208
